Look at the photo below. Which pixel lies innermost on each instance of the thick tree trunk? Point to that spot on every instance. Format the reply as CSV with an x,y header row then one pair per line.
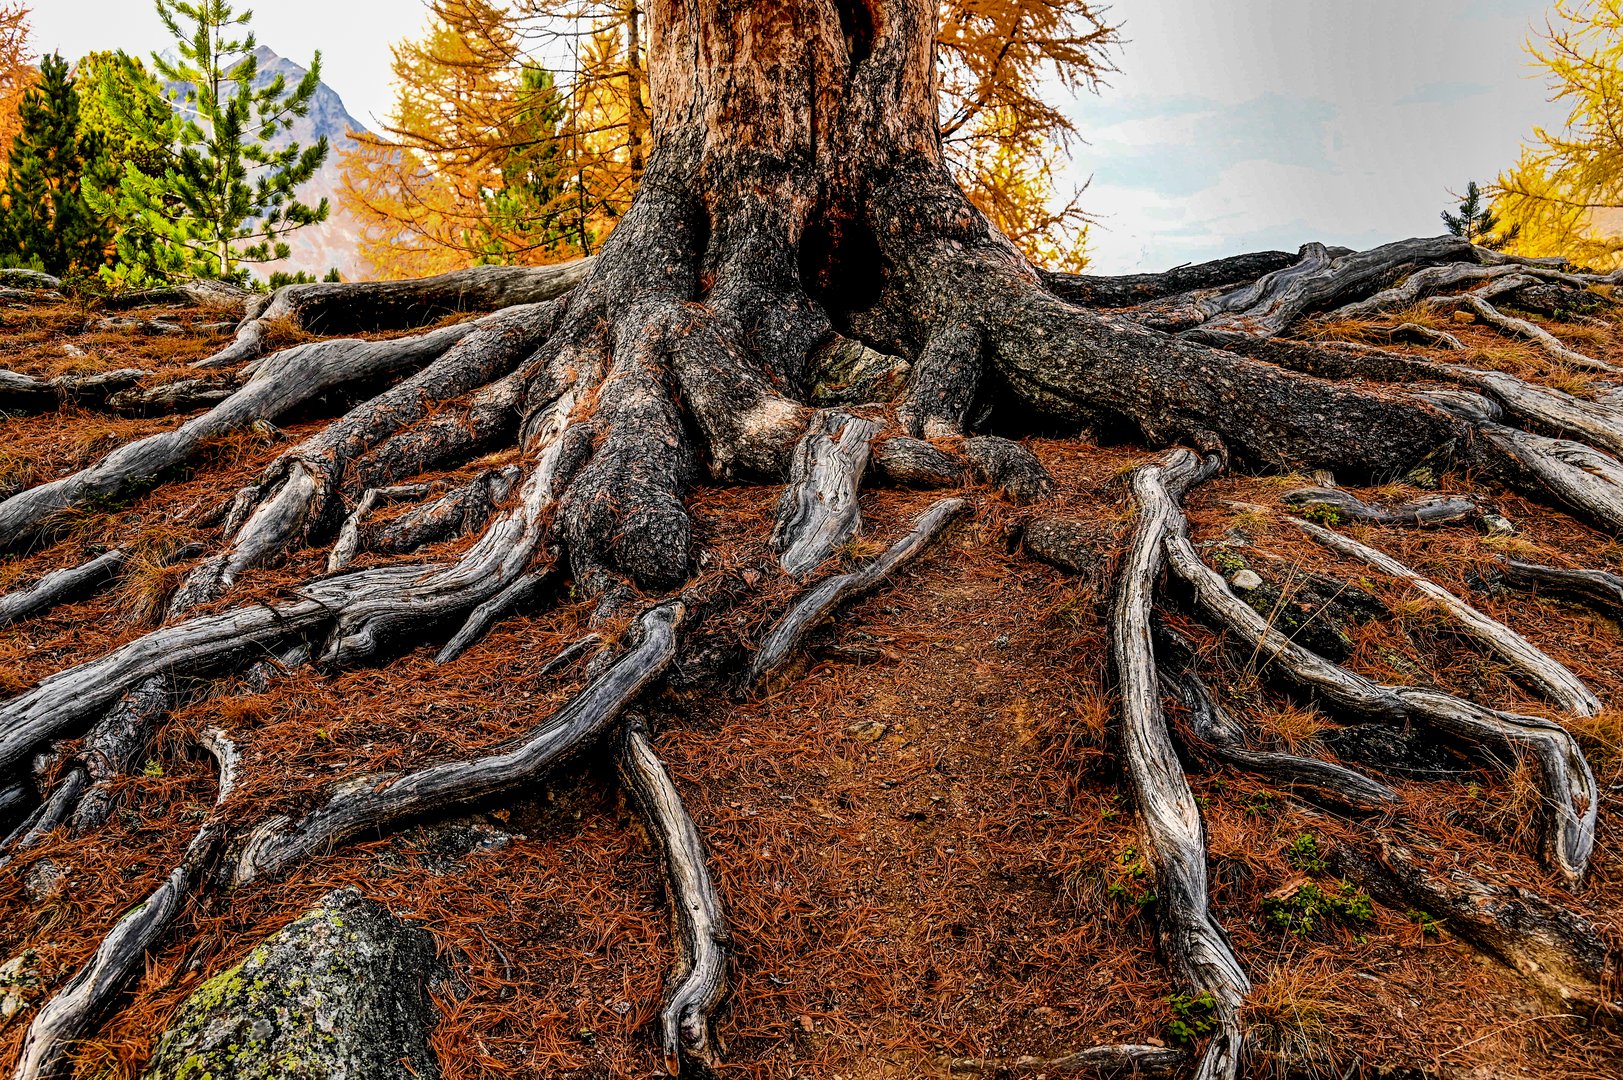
x,y
801,294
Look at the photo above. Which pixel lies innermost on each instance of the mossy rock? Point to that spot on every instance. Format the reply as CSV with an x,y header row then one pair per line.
x,y
340,994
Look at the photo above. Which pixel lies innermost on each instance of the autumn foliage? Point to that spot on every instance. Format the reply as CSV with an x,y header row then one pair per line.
x,y
16,72
490,158
1565,194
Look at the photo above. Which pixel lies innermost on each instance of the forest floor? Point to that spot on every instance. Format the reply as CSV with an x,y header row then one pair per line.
x,y
921,837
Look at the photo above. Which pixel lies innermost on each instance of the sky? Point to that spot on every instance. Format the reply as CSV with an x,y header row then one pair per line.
x,y
1231,126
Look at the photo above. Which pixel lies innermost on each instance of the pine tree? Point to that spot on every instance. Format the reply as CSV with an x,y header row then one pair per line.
x,y
44,219
226,196
1475,220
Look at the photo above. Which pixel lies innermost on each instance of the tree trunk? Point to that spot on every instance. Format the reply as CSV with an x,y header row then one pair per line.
x,y
800,294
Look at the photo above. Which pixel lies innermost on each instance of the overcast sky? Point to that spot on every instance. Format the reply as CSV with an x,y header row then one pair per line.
x,y
1232,126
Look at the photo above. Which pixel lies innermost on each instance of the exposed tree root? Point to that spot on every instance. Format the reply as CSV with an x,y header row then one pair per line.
x,y
1348,507
1130,290
375,802
347,308
1196,947
1219,736
1556,682
1549,945
489,613
1521,328
1596,588
81,798
819,510
1094,1061
698,980
1571,798
61,586
828,595
676,353
281,383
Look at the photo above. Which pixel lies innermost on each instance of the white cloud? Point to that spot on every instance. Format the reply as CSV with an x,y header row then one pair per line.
x,y
1269,123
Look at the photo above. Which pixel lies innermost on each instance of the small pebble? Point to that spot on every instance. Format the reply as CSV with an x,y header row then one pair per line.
x,y
1246,580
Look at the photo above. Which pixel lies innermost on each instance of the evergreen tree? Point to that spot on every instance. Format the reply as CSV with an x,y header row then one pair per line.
x,y
122,105
1475,220
226,195
44,219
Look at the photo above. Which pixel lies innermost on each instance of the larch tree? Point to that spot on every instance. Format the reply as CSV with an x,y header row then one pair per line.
x,y
802,294
424,188
474,166
16,71
1565,195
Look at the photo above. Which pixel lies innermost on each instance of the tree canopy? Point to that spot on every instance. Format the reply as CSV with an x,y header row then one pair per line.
x,y
16,71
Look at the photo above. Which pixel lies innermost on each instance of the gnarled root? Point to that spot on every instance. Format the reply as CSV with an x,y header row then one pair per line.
x,y
1549,945
698,981
1571,797
828,595
1174,838
1552,677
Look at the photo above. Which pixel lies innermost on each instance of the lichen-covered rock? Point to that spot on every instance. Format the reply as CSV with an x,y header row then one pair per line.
x,y
340,994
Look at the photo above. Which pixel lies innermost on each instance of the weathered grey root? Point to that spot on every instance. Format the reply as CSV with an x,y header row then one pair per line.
x,y
82,797
1571,797
1553,678
492,611
1434,280
698,980
350,307
1129,289
376,803
1123,1060
348,544
1553,948
828,595
1174,837
22,394
1218,735
384,800
1521,328
60,587
819,511
281,382
1349,507
299,494
1596,588
79,1005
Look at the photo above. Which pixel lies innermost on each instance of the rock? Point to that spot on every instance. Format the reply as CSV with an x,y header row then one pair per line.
x,y
18,983
340,994
13,278
1246,580
867,730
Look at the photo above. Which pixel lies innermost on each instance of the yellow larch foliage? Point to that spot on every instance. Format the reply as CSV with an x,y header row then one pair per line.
x,y
1565,194
17,74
